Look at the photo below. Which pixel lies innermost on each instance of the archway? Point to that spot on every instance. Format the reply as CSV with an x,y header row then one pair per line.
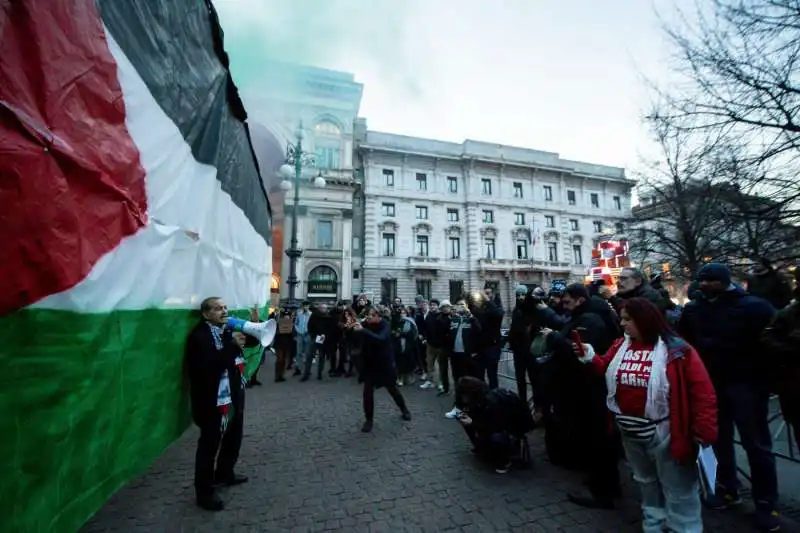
x,y
323,282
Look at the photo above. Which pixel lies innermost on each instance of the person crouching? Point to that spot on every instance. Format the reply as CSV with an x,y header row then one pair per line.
x,y
494,420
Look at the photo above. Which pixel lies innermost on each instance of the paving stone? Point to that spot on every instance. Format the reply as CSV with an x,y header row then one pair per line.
x,y
311,469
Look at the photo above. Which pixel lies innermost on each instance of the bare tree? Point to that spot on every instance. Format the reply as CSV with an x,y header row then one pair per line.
x,y
741,64
677,222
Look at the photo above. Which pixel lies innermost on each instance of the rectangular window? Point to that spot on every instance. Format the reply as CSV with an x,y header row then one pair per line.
x,y
422,182
452,184
388,290
455,247
598,226
552,251
488,216
571,198
356,243
422,246
452,215
517,189
486,186
577,254
324,234
594,198
422,212
424,288
388,244
456,290
619,228
549,221
356,273
573,224
522,249
388,177
489,248
618,203
327,157
387,210
548,193
519,219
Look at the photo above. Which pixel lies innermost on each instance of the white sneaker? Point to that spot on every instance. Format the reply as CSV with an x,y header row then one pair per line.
x,y
503,469
454,413
399,382
427,385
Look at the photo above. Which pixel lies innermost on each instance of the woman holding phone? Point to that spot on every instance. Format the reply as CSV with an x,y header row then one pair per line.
x,y
378,365
664,405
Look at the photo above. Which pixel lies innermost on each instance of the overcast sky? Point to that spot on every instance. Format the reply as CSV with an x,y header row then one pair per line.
x,y
556,75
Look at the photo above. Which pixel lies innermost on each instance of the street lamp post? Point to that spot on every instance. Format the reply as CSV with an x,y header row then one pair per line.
x,y
296,160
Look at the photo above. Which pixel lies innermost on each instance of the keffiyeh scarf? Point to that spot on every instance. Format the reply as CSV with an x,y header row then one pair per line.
x,y
224,399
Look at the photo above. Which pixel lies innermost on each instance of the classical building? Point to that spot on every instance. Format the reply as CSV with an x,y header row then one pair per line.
x,y
442,218
322,106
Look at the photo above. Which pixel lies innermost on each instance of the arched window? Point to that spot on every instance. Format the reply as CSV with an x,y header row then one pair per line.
x,y
327,128
322,273
323,282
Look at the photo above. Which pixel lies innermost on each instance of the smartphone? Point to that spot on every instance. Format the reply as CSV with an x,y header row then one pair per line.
x,y
576,338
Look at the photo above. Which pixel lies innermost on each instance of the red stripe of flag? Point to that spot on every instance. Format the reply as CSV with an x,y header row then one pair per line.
x,y
71,184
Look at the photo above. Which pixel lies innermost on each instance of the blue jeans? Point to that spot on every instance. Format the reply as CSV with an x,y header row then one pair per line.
x,y
670,491
303,350
747,406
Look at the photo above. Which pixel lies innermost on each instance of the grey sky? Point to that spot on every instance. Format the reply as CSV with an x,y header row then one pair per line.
x,y
561,76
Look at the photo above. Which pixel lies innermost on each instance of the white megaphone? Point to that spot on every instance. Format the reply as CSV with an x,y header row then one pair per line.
x,y
263,331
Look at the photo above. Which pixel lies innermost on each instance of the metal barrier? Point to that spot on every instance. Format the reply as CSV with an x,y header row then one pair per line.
x,y
506,371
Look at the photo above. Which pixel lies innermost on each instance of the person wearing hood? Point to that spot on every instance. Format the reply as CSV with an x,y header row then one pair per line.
x,y
406,343
520,335
782,342
488,309
632,283
725,325
768,283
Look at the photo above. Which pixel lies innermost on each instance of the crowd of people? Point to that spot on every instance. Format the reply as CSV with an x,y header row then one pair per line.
x,y
626,374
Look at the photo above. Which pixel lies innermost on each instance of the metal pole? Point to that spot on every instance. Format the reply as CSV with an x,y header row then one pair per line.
x,y
294,252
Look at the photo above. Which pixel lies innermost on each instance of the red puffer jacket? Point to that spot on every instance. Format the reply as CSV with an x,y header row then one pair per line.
x,y
692,399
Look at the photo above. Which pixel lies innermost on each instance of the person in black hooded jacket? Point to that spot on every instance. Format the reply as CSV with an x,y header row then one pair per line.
x,y
578,400
493,419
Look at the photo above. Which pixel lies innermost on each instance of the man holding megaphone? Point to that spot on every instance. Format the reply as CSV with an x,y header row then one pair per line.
x,y
215,364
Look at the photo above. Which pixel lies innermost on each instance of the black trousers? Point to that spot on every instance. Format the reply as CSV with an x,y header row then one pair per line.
x,y
369,398
463,365
217,449
524,372
494,448
602,470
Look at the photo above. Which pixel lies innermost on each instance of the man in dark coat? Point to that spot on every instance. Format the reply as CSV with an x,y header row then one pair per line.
x,y
578,400
488,309
769,284
211,353
323,334
725,325
632,283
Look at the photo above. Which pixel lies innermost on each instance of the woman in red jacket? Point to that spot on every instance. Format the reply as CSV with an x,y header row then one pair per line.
x,y
664,405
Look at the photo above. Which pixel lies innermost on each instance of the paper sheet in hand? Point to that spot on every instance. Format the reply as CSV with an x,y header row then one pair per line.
x,y
707,467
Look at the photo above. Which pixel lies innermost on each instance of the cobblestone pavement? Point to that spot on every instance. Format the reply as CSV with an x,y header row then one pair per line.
x,y
311,469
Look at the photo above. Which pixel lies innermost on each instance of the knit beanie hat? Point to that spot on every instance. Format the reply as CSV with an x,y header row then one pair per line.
x,y
715,272
521,290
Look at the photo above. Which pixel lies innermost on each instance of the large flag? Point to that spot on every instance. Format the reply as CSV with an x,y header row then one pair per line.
x,y
130,191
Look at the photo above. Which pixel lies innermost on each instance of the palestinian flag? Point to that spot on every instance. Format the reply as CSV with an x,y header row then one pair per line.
x,y
129,192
